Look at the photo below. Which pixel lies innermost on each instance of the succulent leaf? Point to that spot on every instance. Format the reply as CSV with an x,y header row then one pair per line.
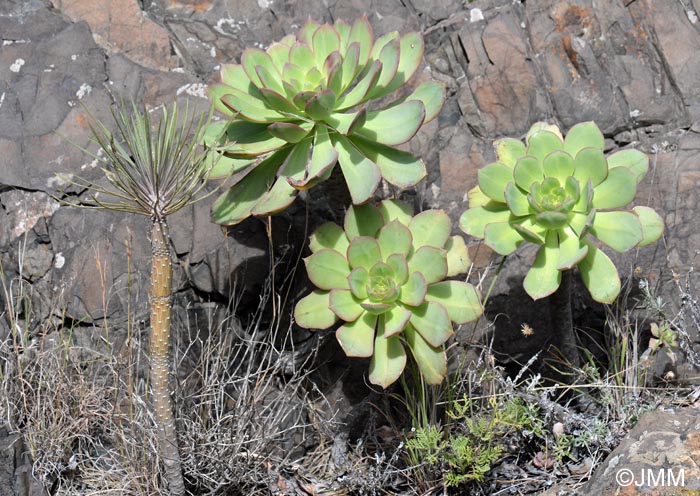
x,y
554,191
345,305
634,160
324,84
430,228
493,180
616,191
544,278
652,225
328,269
363,252
313,311
357,337
458,261
432,361
388,360
621,231
599,275
583,135
395,238
432,321
391,278
431,262
329,235
460,299
509,151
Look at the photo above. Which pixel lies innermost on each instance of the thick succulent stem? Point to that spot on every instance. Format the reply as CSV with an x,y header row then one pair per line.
x,y
161,304
562,320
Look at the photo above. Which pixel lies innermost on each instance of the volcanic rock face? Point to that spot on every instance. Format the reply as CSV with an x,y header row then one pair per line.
x,y
632,66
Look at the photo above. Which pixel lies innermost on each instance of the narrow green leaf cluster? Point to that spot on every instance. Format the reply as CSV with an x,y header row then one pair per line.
x,y
383,275
151,171
310,101
558,192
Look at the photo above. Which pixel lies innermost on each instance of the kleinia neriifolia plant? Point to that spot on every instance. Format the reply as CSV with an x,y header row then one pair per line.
x,y
383,275
310,101
153,171
559,193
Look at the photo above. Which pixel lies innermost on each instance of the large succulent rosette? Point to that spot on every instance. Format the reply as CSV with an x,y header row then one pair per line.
x,y
383,274
561,193
314,100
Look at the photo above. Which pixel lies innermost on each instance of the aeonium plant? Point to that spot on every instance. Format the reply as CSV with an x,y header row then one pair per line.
x,y
314,100
560,193
383,275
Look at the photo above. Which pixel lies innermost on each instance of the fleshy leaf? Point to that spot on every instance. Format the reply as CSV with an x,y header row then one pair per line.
x,y
362,33
559,165
411,48
395,125
432,361
363,252
544,278
583,135
398,263
432,321
329,235
509,151
250,108
394,237
289,132
396,210
399,168
328,269
502,238
528,170
389,57
616,191
530,230
362,220
458,261
388,360
359,91
477,198
254,57
571,249
313,311
460,299
621,231
493,179
432,95
345,305
652,225
361,174
325,41
357,338
590,164
542,143
474,220
395,320
431,262
358,281
636,161
599,275
279,197
517,201
236,204
414,291
430,228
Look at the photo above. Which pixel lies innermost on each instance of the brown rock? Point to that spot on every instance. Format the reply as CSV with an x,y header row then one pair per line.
x,y
660,456
120,26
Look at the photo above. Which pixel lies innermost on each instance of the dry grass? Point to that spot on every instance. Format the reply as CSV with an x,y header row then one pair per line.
x,y
245,408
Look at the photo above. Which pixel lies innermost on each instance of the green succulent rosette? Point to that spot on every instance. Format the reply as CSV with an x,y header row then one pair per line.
x,y
314,100
383,274
560,193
